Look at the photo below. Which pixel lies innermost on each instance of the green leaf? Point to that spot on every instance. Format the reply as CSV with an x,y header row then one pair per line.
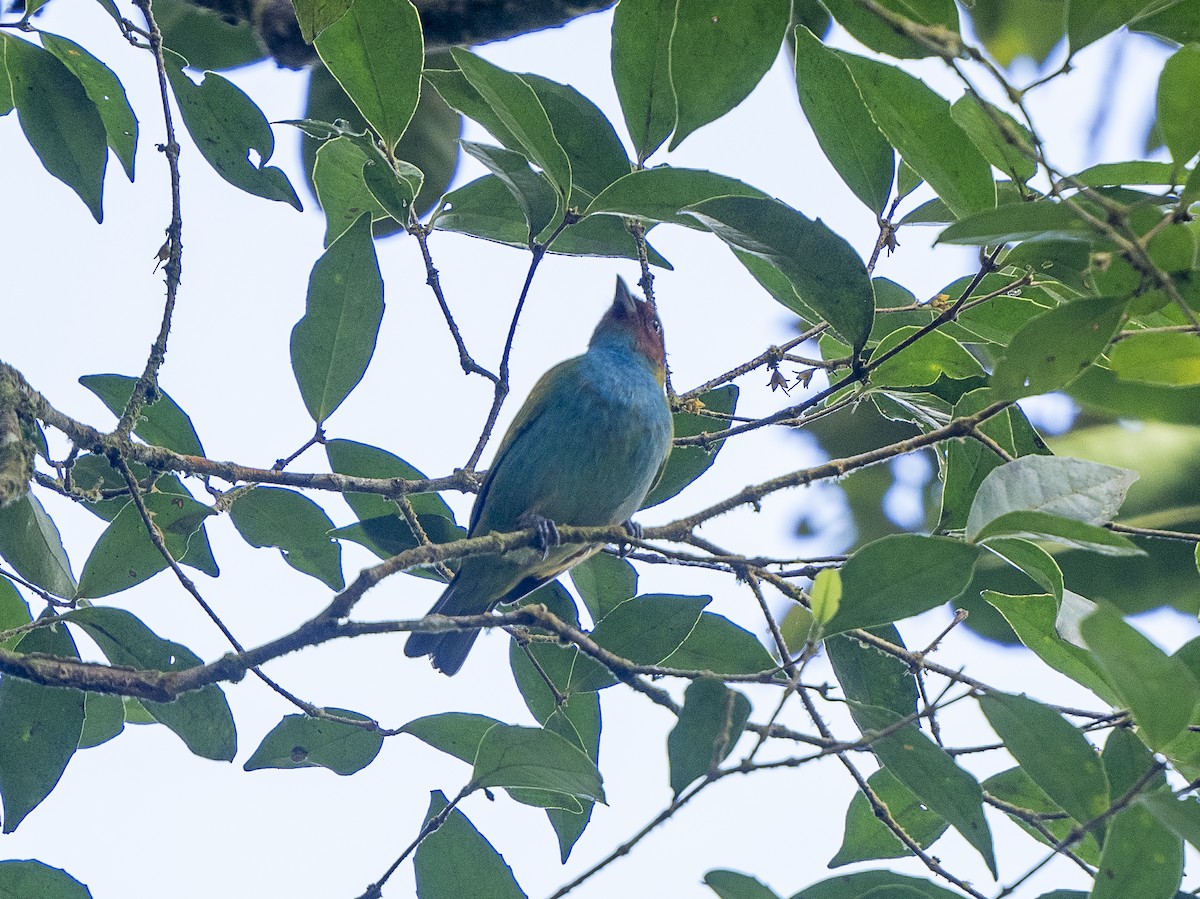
x,y
160,423
1051,751
604,581
839,118
6,95
899,576
1180,816
517,106
1032,560
641,69
1135,171
871,677
59,120
826,595
104,719
1141,858
687,463
532,191
877,885
376,51
30,542
334,342
929,772
719,646
734,885
14,612
658,195
1008,147
456,860
918,124
711,722
203,35
824,269
33,878
124,556
720,50
1072,488
867,837
104,90
299,741
875,32
529,757
272,516
1053,349
39,728
1031,525
1158,689
643,630
921,363
341,188
365,461
1160,358
1043,220
227,127
1017,788
1090,20
454,733
202,718
314,16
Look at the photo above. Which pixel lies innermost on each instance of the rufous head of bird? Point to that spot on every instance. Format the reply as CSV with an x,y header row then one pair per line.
x,y
633,324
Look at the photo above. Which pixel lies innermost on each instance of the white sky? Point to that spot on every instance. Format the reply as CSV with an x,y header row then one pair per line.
x,y
140,817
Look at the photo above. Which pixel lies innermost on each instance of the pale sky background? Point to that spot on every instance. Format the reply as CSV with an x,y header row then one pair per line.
x,y
140,817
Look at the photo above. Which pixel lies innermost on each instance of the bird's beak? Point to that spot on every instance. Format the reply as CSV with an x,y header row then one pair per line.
x,y
624,299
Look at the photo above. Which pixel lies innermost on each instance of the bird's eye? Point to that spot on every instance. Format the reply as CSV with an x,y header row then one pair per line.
x,y
656,325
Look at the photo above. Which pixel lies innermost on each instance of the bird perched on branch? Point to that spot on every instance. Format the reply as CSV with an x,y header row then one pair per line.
x,y
585,449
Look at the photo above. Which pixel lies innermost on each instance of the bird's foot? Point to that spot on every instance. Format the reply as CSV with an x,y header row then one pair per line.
x,y
547,532
635,531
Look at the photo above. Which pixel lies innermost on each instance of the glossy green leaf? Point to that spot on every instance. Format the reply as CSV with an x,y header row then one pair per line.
x,y
604,581
273,516
517,106
1090,20
33,878
1158,358
871,677
918,124
929,772
376,52
641,69
314,16
1017,221
875,32
899,576
160,423
719,646
720,50
124,556
839,118
735,885
103,719
1034,525
597,155
1135,171
1141,858
1072,488
921,363
866,837
334,342
529,757
202,718
644,630
1008,146
577,720
1100,389
876,884
711,722
825,270
687,463
532,191
456,860
1158,689
39,729
826,595
1051,751
454,733
30,543
60,121
1179,22
227,127
104,90
1032,560
302,742
339,184
658,195
1017,788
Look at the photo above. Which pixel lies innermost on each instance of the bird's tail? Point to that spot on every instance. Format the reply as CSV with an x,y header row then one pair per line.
x,y
446,649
